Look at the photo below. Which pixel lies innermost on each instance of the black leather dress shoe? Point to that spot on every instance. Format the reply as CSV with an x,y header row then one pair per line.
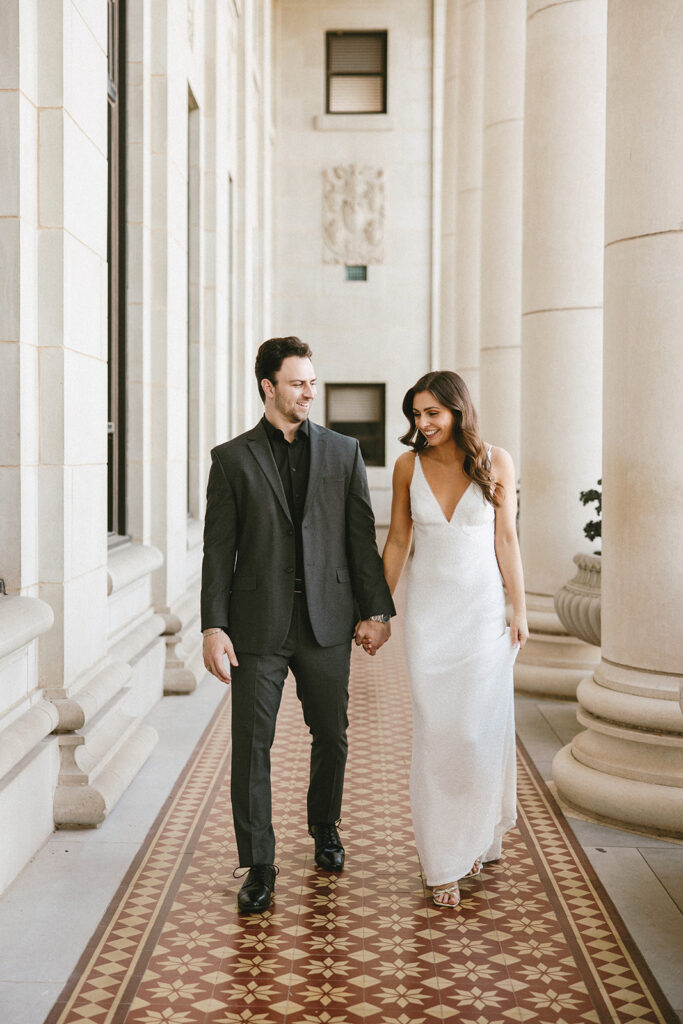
x,y
329,852
257,889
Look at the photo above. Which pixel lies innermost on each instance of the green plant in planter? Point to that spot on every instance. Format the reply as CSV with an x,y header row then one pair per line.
x,y
593,528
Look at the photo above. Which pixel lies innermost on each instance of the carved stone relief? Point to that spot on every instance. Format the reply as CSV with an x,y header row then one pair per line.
x,y
353,214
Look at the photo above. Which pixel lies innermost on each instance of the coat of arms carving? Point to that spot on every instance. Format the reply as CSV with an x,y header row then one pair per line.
x,y
353,214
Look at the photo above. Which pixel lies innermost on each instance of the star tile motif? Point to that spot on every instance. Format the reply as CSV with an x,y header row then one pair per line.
x,y
535,940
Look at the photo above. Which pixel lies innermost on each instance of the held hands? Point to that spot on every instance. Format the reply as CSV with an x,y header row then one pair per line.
x,y
519,630
215,647
371,635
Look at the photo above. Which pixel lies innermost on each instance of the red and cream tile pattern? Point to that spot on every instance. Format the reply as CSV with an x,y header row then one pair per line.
x,y
535,939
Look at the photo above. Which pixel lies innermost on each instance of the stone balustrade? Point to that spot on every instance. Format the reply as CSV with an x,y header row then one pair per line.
x,y
29,755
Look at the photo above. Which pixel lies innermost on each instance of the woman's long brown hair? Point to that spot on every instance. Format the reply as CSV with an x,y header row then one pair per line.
x,y
450,390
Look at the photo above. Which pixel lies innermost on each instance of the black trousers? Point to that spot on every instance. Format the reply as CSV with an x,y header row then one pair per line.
x,y
322,686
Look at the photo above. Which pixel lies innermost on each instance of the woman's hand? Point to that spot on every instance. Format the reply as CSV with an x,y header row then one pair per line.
x,y
519,630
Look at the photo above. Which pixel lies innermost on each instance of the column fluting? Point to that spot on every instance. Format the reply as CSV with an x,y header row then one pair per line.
x,y
628,763
501,224
562,281
468,206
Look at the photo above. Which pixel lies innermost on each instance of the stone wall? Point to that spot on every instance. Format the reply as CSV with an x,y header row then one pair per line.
x,y
378,330
95,629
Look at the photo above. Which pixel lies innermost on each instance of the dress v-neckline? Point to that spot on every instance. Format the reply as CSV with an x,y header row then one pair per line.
x,y
436,500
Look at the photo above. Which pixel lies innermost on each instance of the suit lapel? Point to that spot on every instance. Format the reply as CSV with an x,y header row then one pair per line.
x,y
261,450
317,441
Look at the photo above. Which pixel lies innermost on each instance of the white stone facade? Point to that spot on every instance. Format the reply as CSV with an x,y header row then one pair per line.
x,y
93,632
487,258
378,330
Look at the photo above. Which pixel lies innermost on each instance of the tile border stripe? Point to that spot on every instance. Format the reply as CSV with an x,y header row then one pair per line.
x,y
609,914
80,976
578,899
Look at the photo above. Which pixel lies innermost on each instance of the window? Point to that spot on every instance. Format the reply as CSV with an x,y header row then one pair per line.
x,y
356,272
356,73
116,234
357,410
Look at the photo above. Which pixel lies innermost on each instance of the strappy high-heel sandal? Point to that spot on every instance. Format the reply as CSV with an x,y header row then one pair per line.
x,y
446,891
476,868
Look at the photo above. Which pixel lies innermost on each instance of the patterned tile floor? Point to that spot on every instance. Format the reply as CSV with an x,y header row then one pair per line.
x,y
535,939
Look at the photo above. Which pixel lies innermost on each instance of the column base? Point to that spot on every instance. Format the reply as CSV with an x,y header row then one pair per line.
x,y
87,805
103,742
184,662
627,764
617,800
553,663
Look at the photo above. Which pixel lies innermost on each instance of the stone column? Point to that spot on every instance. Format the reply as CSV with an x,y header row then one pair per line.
x,y
248,319
447,345
98,663
562,258
468,206
29,756
628,764
169,299
72,332
501,224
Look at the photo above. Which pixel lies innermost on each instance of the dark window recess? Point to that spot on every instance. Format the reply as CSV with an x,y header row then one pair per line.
x,y
356,72
357,410
116,258
356,273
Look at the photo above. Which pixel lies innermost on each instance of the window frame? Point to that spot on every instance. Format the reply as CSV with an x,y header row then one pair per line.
x,y
383,35
379,386
116,270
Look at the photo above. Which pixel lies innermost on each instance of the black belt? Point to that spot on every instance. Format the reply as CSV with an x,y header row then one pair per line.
x,y
298,586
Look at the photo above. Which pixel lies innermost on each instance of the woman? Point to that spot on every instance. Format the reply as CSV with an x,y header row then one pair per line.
x,y
459,495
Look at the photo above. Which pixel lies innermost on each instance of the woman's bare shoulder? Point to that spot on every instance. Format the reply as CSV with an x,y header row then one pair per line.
x,y
501,462
403,467
406,459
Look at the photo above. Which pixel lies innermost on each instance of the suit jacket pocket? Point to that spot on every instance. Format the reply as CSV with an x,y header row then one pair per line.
x,y
244,583
343,576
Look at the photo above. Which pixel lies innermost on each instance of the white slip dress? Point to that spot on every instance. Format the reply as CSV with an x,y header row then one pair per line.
x,y
460,662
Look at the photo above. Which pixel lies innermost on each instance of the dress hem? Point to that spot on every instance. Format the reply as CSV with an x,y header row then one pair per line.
x,y
453,877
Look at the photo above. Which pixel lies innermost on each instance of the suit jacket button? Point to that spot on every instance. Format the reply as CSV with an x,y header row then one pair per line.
x,y
290,568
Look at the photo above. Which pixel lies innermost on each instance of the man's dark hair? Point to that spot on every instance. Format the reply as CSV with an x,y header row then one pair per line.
x,y
271,355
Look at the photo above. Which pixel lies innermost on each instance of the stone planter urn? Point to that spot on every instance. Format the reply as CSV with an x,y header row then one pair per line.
x,y
577,603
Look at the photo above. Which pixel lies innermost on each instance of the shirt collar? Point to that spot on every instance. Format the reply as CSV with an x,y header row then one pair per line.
x,y
275,434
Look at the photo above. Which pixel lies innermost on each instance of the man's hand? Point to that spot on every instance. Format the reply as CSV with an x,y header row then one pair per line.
x,y
371,635
214,649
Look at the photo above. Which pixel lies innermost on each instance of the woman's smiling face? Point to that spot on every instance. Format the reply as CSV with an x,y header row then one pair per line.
x,y
433,420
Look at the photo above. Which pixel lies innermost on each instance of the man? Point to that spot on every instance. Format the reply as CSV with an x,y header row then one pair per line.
x,y
290,563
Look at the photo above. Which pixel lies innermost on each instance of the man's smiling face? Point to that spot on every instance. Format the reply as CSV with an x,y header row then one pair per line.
x,y
294,389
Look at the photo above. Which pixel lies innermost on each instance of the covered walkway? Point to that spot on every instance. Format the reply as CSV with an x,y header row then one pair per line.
x,y
536,938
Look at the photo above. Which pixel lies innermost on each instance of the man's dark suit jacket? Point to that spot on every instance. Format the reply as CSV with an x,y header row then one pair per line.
x,y
249,548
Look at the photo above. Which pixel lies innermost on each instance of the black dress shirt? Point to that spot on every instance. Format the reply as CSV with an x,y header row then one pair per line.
x,y
293,463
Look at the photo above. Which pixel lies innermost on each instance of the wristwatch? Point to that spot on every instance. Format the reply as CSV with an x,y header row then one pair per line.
x,y
379,618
